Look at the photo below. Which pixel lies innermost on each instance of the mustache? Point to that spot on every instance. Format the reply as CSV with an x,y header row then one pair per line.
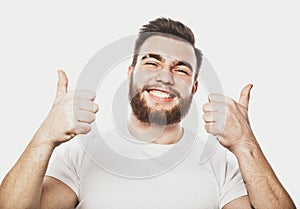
x,y
162,87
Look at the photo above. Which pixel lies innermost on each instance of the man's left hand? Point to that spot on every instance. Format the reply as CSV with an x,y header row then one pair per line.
x,y
228,120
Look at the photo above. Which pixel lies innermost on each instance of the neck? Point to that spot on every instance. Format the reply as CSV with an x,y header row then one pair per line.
x,y
153,133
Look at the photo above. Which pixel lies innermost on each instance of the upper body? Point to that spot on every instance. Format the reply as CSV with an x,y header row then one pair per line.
x,y
163,80
188,183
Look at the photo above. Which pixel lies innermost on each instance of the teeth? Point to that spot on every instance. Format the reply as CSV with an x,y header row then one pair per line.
x,y
160,94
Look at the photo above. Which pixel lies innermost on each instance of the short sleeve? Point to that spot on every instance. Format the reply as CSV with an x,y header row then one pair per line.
x,y
233,185
61,167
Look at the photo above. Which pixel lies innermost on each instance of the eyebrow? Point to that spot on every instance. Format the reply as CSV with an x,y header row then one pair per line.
x,y
161,59
184,64
155,56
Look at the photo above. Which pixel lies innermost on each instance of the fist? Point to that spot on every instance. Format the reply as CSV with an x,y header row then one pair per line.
x,y
71,114
228,120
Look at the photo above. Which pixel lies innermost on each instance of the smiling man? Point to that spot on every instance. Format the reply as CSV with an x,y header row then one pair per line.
x,y
163,79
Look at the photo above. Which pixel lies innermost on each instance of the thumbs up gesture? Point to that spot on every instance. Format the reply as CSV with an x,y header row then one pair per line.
x,y
228,120
72,113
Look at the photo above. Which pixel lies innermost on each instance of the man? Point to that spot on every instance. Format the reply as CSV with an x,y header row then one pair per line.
x,y
163,80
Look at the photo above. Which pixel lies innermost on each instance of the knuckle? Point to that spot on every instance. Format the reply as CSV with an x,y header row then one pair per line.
x,y
204,107
92,117
207,127
83,128
86,128
96,107
91,94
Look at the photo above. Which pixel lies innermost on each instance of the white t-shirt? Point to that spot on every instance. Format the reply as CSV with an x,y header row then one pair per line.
x,y
147,175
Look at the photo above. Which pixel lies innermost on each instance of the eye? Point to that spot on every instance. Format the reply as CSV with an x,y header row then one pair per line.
x,y
151,63
181,71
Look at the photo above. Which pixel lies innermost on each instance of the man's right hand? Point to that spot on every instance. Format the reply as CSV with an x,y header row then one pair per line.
x,y
72,113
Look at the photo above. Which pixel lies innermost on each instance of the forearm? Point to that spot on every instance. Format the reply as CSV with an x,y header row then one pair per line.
x,y
21,188
264,189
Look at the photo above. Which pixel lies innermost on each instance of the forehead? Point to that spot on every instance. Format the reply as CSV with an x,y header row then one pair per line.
x,y
169,47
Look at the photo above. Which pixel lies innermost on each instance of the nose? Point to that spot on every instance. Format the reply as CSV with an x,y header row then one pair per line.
x,y
165,76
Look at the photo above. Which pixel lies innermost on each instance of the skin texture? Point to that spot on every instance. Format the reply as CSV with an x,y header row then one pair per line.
x,y
164,75
228,121
72,113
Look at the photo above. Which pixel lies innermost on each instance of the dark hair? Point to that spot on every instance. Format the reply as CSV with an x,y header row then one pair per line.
x,y
169,28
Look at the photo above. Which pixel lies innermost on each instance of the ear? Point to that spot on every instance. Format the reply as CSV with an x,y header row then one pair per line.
x,y
130,70
195,87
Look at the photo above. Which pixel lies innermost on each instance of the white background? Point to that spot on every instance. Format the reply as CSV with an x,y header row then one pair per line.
x,y
253,41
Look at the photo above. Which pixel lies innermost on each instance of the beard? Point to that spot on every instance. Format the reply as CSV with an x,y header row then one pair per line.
x,y
146,114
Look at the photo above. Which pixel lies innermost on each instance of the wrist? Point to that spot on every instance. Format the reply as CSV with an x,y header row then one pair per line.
x,y
247,146
44,139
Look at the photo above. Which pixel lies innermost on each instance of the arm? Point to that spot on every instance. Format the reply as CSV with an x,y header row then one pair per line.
x,y
241,202
22,186
228,121
263,186
56,194
71,114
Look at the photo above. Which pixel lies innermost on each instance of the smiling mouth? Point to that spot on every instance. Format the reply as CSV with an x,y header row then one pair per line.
x,y
160,94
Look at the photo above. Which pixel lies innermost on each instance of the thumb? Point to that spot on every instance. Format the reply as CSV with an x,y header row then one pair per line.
x,y
62,84
245,96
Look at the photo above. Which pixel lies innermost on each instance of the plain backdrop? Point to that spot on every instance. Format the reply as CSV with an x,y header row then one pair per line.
x,y
245,41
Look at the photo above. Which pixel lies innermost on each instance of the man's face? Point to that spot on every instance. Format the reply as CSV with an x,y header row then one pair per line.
x,y
162,82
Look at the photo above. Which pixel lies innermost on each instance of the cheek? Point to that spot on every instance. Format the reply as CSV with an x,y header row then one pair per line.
x,y
185,86
142,76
